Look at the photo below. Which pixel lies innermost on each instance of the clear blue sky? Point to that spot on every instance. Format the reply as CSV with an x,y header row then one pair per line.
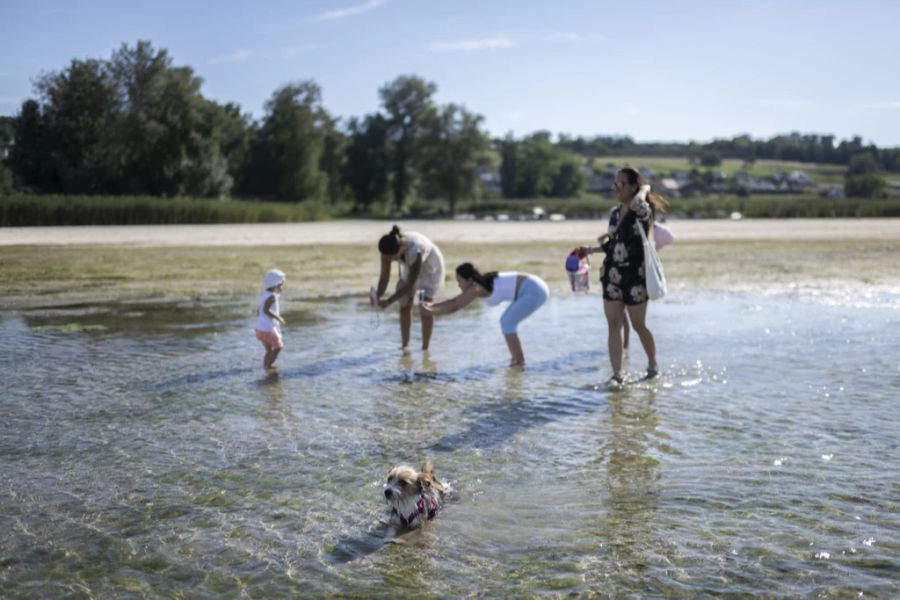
x,y
655,70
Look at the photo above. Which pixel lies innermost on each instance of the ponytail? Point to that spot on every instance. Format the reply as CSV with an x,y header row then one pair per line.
x,y
390,243
657,203
485,280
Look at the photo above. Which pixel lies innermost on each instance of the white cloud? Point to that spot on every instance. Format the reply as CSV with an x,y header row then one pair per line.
x,y
496,42
798,104
570,37
895,105
292,51
239,56
564,36
472,45
349,11
631,110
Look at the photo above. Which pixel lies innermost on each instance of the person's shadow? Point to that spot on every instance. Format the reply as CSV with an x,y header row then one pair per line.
x,y
495,422
313,369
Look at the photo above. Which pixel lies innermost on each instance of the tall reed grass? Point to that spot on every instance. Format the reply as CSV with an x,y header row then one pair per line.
x,y
32,210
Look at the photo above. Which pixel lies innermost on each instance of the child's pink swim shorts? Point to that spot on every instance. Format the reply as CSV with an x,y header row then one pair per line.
x,y
270,339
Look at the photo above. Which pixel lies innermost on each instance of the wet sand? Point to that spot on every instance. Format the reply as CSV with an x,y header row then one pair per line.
x,y
45,266
482,232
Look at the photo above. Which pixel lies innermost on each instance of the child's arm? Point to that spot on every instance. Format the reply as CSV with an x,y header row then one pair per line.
x,y
267,309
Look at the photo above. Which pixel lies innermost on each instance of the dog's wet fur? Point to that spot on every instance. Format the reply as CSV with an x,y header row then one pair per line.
x,y
414,497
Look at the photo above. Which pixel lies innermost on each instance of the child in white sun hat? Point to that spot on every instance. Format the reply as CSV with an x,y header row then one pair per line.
x,y
268,324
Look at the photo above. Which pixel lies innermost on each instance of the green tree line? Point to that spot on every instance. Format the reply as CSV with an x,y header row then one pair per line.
x,y
137,124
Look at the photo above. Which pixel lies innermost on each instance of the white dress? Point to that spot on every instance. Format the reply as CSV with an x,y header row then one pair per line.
x,y
431,274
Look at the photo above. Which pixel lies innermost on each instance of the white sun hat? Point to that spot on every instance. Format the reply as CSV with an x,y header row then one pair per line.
x,y
273,278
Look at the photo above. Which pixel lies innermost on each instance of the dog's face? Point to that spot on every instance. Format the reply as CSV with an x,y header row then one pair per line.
x,y
402,483
412,494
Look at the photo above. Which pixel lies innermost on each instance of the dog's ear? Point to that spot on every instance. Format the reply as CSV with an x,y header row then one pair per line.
x,y
426,475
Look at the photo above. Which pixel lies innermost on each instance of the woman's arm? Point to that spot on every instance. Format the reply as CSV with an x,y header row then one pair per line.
x,y
384,276
408,284
604,242
639,204
453,304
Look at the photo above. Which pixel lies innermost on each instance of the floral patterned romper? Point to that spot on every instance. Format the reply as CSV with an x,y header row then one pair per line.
x,y
622,273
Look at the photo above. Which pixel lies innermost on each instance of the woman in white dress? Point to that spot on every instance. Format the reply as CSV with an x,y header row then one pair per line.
x,y
421,270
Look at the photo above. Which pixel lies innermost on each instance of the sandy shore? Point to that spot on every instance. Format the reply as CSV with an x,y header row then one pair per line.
x,y
356,232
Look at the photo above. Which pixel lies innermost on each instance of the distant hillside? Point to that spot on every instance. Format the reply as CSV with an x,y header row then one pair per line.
x,y
820,173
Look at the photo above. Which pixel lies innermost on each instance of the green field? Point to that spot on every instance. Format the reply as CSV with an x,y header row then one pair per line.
x,y
820,173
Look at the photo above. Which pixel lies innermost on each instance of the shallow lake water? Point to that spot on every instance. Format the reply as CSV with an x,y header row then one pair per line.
x,y
146,452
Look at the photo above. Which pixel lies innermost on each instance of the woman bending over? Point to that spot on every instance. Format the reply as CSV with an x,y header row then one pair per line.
x,y
525,293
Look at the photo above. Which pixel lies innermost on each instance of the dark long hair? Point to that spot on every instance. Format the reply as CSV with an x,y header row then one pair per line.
x,y
657,203
390,243
485,280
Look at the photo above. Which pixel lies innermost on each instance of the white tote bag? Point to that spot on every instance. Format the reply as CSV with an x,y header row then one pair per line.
x,y
653,269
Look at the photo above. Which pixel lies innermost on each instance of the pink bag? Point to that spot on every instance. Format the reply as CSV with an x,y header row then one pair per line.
x,y
662,235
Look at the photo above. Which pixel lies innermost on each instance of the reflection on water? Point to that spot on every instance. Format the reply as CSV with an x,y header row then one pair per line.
x,y
147,452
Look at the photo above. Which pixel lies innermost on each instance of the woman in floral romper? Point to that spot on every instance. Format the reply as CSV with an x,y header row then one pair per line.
x,y
622,273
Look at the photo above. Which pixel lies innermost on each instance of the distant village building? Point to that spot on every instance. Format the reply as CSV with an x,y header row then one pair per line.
x,y
834,191
490,179
647,173
599,182
669,186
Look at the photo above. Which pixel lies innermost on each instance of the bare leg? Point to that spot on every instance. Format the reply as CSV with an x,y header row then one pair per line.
x,y
427,327
615,316
517,357
625,332
270,357
638,314
405,324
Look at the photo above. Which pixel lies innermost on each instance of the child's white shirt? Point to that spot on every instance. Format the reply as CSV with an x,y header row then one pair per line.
x,y
264,322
